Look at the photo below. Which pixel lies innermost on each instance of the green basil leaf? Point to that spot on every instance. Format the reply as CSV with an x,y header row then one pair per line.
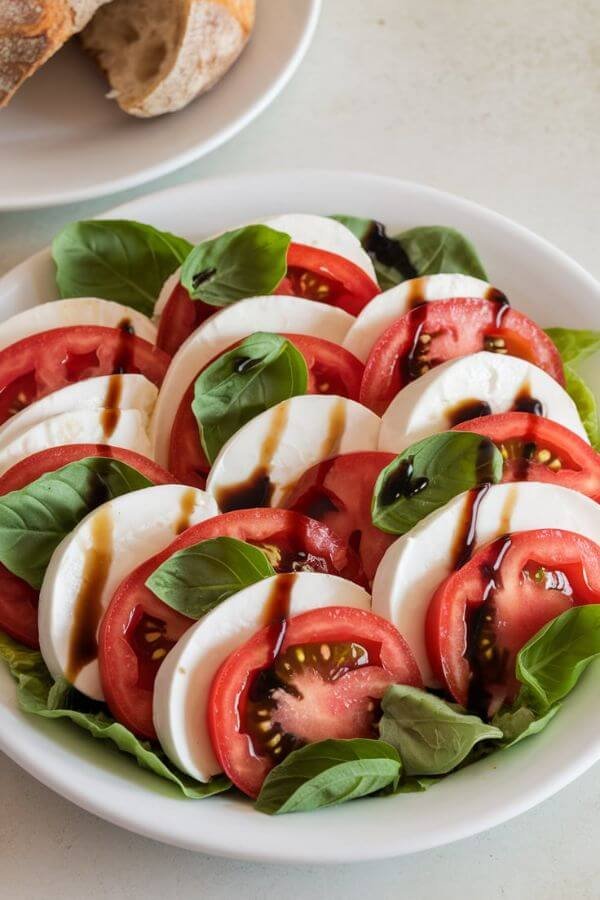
x,y
117,260
329,772
428,474
415,784
241,383
425,250
574,344
248,262
37,695
586,404
431,736
35,519
198,578
552,662
521,722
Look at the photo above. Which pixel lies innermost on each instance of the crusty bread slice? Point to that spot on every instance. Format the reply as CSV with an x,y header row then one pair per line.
x,y
160,54
31,31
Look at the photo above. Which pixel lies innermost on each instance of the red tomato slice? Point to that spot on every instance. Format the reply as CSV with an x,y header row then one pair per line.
x,y
339,492
481,615
433,333
537,449
326,277
331,370
311,273
137,624
18,600
179,318
45,362
323,681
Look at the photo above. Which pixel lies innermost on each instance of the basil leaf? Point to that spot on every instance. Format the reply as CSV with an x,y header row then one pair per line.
x,y
425,250
35,519
248,262
520,723
428,474
241,383
416,784
586,404
329,772
431,736
552,662
198,578
117,260
574,344
37,695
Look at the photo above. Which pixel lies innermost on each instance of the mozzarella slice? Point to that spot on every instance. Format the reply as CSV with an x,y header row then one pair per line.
x,y
104,391
324,234
184,680
74,311
280,314
108,544
286,440
425,406
383,310
82,426
165,292
416,564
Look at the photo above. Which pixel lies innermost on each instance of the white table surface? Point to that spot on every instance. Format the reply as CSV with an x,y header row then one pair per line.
x,y
496,100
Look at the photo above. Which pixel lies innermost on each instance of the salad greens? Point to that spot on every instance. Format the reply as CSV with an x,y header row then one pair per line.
x,y
39,696
35,519
247,262
425,250
432,736
327,773
428,474
117,260
576,345
259,373
198,578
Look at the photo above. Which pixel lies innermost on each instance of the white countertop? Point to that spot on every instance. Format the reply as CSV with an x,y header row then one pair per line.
x,y
496,100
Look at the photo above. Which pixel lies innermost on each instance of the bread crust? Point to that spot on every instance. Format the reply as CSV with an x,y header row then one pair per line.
x,y
31,31
212,35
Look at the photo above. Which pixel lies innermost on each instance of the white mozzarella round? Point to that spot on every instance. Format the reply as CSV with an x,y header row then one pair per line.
x,y
184,680
416,564
274,313
165,292
81,426
105,391
383,310
133,527
74,311
324,234
425,405
294,435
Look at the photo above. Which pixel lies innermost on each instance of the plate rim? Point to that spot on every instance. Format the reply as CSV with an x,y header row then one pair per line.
x,y
107,187
211,843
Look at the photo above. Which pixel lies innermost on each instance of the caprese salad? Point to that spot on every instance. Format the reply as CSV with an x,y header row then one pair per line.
x,y
304,510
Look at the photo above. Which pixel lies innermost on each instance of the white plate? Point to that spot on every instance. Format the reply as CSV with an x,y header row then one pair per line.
x,y
543,282
61,140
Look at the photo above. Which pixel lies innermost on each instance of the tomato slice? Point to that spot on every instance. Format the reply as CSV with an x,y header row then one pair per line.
x,y
482,614
537,449
322,679
18,600
326,277
433,333
339,492
311,273
50,360
331,370
136,624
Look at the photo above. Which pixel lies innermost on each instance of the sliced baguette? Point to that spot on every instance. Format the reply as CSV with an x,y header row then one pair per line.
x,y
31,31
160,54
